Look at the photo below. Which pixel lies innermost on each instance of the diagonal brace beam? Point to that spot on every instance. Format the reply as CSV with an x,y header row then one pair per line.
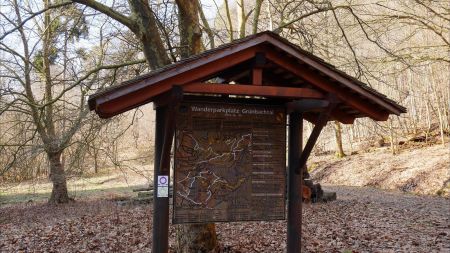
x,y
324,116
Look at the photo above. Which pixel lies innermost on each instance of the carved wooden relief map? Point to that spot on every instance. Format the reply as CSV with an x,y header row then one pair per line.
x,y
229,163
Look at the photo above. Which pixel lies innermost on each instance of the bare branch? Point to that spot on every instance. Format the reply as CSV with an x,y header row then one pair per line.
x,y
32,16
110,12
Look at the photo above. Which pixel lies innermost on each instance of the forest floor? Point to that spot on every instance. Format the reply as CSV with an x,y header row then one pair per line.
x,y
360,220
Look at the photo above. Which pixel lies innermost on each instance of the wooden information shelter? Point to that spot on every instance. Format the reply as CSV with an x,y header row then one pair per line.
x,y
262,69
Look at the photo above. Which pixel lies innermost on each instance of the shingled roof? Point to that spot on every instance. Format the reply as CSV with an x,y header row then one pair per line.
x,y
286,64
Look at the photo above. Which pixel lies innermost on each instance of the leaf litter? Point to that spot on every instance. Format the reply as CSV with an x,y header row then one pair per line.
x,y
360,220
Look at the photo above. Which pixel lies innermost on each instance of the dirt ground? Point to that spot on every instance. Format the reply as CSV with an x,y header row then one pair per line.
x,y
360,220
417,169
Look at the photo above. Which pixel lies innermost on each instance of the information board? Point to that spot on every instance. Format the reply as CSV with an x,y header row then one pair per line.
x,y
230,163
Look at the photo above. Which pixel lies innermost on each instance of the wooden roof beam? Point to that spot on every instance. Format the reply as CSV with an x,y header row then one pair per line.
x,y
251,90
323,83
337,114
127,98
330,71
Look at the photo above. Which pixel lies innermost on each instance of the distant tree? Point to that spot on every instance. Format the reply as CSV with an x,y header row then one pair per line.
x,y
45,85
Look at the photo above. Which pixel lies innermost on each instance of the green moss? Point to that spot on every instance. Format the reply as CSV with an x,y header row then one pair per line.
x,y
340,155
312,167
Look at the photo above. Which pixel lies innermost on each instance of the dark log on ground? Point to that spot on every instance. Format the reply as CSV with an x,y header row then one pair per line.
x,y
143,189
328,196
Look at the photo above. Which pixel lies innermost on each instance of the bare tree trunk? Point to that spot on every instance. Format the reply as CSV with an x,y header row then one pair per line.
x,y
146,30
196,238
242,17
258,5
206,27
95,161
269,13
57,174
338,134
189,24
58,178
193,237
391,131
230,22
427,133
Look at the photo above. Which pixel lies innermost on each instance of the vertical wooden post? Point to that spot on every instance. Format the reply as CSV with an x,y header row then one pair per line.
x,y
257,76
294,222
257,69
165,129
160,205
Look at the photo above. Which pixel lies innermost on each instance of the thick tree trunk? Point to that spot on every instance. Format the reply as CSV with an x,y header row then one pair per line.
x,y
196,238
189,25
58,178
193,237
147,32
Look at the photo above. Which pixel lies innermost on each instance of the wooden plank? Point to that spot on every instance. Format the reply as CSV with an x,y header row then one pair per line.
x,y
252,90
257,70
325,84
144,91
257,76
307,105
342,116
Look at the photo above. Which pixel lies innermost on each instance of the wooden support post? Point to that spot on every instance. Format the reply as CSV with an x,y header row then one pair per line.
x,y
165,128
321,122
160,205
257,76
257,70
294,222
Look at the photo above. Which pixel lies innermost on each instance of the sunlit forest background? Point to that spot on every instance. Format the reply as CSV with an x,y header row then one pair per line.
x,y
50,63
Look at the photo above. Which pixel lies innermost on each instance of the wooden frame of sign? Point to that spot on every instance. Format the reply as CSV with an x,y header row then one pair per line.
x,y
229,162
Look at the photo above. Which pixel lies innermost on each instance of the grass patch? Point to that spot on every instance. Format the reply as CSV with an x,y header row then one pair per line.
x,y
105,193
114,185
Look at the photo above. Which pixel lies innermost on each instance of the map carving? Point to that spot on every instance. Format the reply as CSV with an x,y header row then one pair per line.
x,y
216,174
230,163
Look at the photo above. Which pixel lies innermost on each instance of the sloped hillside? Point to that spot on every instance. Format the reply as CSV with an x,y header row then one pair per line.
x,y
422,170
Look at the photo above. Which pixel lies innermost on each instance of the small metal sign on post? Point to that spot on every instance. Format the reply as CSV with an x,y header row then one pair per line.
x,y
163,187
